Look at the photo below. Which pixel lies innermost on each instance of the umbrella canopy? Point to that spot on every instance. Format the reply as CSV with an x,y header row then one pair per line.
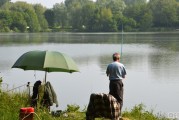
x,y
49,61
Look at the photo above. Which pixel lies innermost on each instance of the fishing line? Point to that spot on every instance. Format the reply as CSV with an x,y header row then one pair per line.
x,y
122,40
35,75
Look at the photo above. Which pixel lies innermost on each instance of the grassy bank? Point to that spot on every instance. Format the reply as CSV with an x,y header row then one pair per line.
x,y
10,104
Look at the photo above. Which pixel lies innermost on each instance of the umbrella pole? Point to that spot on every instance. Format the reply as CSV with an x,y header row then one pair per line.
x,y
45,76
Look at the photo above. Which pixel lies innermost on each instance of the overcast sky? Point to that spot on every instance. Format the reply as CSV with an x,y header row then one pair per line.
x,y
46,3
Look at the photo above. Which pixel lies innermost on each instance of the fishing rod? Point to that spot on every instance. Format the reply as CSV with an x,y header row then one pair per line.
x,y
122,40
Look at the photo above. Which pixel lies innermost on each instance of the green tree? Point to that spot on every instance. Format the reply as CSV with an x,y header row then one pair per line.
x,y
177,15
74,11
141,14
146,21
103,21
102,3
2,2
40,10
164,12
18,24
29,14
132,2
88,15
107,23
76,19
50,17
127,24
117,7
72,4
32,21
60,13
5,20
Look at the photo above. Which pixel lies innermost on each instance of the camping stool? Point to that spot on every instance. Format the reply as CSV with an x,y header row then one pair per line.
x,y
26,113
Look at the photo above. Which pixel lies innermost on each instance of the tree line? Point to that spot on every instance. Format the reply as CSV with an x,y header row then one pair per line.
x,y
90,16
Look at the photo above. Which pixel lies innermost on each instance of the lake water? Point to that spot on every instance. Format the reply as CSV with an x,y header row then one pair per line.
x,y
151,61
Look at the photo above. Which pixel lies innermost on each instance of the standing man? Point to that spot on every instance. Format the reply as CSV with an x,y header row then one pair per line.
x,y
116,72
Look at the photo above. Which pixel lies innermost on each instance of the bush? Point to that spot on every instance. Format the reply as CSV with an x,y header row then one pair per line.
x,y
138,112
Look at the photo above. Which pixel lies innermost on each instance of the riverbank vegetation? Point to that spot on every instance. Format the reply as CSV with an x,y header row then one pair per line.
x,y
10,104
90,16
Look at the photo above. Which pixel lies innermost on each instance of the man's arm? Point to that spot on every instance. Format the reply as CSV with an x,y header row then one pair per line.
x,y
124,73
107,71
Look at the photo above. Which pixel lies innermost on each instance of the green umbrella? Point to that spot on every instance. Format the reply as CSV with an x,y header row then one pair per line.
x,y
48,61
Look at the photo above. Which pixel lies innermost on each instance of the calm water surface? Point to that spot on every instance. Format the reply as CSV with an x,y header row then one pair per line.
x,y
151,60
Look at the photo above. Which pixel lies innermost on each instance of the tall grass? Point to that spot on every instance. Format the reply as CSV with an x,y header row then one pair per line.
x,y
139,112
10,104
